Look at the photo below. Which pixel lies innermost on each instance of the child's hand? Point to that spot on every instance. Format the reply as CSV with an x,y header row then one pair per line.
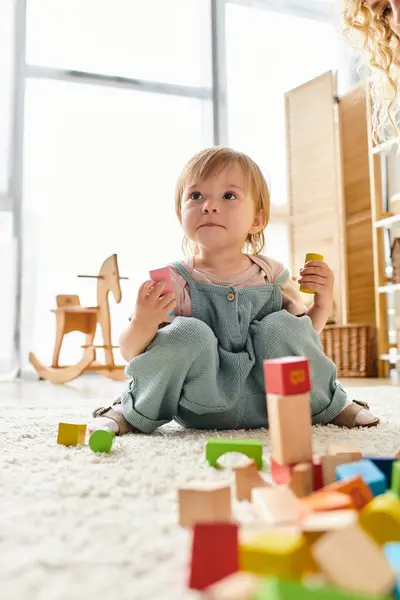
x,y
152,307
317,276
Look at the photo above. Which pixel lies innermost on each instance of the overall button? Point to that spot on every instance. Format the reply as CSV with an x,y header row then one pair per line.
x,y
231,297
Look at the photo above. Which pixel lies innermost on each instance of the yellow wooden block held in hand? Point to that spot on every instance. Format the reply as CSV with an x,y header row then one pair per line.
x,y
70,434
310,256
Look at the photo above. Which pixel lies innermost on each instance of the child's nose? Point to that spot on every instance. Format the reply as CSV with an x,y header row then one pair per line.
x,y
210,205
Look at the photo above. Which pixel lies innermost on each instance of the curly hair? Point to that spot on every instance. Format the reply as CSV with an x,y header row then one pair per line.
x,y
212,160
372,34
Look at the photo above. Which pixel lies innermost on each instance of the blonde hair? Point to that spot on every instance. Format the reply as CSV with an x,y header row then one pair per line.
x,y
211,161
382,46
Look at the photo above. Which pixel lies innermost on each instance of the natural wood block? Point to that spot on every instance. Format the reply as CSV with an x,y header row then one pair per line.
x,y
202,502
247,477
355,487
287,556
381,518
239,586
301,482
277,505
331,461
215,553
351,560
287,376
70,434
335,449
290,428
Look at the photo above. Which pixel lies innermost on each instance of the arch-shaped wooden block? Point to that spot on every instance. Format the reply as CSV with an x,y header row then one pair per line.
x,y
216,447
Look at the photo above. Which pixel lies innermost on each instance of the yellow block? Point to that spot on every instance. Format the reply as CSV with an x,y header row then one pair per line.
x,y
380,518
310,256
286,556
70,434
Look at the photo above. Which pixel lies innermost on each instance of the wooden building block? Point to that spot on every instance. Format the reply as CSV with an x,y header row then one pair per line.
x,y
290,429
202,502
381,518
324,521
70,434
277,505
327,500
372,476
301,482
351,560
331,461
287,556
276,589
162,275
392,555
215,553
288,376
355,487
395,478
247,477
239,586
216,447
355,453
384,464
318,481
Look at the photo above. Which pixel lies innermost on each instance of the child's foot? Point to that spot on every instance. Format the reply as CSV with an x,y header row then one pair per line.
x,y
356,414
112,418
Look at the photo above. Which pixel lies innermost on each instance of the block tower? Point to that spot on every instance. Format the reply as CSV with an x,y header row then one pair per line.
x,y
288,386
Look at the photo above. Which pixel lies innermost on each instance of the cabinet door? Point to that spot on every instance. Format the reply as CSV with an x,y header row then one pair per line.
x,y
314,180
357,206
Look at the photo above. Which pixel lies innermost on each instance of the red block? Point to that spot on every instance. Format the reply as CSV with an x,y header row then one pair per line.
x,y
281,474
215,553
162,275
318,480
287,376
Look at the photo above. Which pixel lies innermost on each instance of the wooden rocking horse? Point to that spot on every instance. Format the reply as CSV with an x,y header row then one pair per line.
x,y
71,316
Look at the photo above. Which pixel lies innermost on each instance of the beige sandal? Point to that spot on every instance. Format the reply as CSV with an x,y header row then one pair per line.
x,y
123,425
350,416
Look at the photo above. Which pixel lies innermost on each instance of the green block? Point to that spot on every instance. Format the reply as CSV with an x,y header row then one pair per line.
x,y
396,478
101,440
216,447
275,589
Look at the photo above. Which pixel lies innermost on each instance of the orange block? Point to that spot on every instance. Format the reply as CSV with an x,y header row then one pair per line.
x,y
325,500
355,487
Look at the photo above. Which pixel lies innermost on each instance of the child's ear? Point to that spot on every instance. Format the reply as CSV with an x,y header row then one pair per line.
x,y
259,222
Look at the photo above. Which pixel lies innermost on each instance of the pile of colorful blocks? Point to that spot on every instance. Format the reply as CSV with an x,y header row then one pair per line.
x,y
327,527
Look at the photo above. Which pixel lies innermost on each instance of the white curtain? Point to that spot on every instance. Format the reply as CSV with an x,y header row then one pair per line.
x,y
7,243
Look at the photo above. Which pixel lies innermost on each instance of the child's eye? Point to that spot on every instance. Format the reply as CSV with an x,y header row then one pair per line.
x,y
229,196
386,12
195,196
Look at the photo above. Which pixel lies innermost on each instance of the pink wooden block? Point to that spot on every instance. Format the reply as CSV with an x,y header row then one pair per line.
x,y
162,275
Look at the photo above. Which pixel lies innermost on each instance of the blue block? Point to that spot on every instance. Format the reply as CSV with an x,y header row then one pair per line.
x,y
385,465
368,471
392,554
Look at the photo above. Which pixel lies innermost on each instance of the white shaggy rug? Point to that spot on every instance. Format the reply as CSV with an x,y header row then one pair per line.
x,y
74,524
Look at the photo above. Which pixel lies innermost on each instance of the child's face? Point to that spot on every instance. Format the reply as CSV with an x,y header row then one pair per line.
x,y
218,212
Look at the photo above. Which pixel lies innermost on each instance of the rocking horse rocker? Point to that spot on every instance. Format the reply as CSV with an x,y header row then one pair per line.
x,y
71,316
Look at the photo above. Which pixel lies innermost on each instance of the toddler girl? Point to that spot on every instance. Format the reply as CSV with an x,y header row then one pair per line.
x,y
232,308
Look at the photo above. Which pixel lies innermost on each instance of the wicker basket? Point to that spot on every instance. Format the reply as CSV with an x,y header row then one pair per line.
x,y
395,254
352,348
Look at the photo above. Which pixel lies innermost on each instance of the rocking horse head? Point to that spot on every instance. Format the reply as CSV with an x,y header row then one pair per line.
x,y
109,277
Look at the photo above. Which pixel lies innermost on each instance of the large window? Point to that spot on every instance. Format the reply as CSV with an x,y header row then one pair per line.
x,y
267,55
117,96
